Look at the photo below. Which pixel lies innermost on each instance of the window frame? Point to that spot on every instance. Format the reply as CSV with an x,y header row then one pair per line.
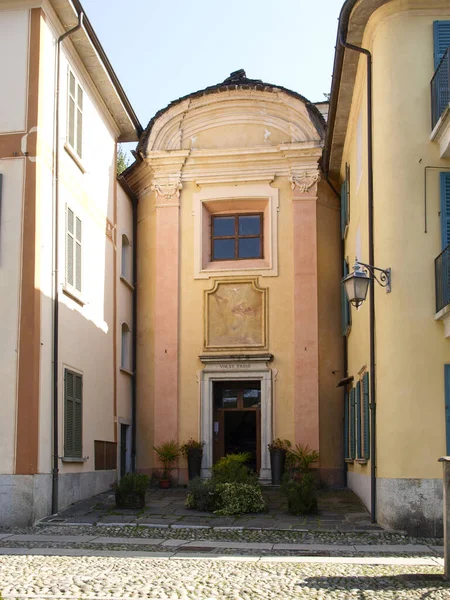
x,y
76,146
236,237
125,348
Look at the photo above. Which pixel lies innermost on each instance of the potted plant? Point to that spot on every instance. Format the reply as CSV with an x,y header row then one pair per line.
x,y
167,452
130,491
300,459
278,449
193,452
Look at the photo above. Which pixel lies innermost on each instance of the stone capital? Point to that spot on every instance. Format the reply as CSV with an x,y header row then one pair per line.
x,y
167,192
304,184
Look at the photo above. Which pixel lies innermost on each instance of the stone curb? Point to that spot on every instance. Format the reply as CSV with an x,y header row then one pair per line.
x,y
355,560
208,544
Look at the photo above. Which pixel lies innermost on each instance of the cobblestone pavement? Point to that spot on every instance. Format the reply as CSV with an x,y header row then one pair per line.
x,y
91,577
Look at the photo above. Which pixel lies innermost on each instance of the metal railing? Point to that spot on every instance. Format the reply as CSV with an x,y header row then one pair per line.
x,y
440,85
442,278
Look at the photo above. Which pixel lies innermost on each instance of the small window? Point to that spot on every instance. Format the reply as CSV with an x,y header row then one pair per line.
x,y
73,414
73,250
125,360
75,115
237,237
126,259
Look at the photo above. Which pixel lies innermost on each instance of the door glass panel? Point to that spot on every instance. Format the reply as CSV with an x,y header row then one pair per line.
x,y
252,398
227,399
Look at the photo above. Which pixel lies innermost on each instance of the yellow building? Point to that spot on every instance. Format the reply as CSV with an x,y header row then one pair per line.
x,y
238,278
397,353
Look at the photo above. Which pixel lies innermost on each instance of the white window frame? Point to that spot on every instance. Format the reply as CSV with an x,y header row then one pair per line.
x,y
125,354
75,144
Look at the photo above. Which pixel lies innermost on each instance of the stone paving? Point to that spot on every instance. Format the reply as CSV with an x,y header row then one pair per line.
x,y
339,510
91,550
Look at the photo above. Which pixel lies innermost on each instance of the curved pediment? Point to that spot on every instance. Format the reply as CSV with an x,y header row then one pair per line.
x,y
234,116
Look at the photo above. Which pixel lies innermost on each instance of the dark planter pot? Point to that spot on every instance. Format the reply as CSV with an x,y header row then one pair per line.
x,y
130,500
277,461
164,484
194,459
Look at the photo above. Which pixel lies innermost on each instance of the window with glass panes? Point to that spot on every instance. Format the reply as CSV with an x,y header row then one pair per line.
x,y
237,237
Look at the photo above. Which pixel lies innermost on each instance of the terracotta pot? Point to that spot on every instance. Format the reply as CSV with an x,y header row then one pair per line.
x,y
164,484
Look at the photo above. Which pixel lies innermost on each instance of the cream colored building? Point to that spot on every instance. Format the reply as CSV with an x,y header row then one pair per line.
x,y
397,400
66,248
238,278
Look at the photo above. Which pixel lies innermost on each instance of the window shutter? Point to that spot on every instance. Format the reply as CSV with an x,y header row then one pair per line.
x,y
78,417
68,413
78,255
343,208
366,416
79,121
71,120
346,411
69,247
352,424
445,209
345,305
441,33
358,421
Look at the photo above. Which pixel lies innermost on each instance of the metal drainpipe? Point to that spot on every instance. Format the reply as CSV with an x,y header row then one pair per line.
x,y
134,200
371,262
55,470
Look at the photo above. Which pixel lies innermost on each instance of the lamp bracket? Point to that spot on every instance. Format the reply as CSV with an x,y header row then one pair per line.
x,y
384,277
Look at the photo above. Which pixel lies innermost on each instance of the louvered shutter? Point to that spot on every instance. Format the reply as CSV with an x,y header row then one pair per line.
x,y
69,410
345,305
346,411
78,417
69,247
71,120
366,416
358,421
447,408
352,424
445,209
79,121
441,33
343,208
78,255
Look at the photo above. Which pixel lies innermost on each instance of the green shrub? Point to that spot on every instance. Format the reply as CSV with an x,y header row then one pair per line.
x,y
301,457
301,495
202,495
239,498
130,491
232,469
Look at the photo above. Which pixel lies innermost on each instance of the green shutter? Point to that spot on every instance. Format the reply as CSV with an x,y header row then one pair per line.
x,y
343,208
352,424
366,416
358,421
441,34
346,316
346,403
73,418
445,209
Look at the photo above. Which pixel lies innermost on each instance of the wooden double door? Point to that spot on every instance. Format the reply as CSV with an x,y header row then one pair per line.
x,y
237,420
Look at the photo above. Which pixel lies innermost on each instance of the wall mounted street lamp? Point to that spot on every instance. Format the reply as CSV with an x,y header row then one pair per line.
x,y
357,283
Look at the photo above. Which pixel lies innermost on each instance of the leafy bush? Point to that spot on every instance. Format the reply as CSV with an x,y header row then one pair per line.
x,y
239,498
202,495
191,445
167,452
130,491
279,444
232,469
301,495
301,457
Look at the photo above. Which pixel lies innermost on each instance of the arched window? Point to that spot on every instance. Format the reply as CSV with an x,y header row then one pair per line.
x,y
125,358
126,259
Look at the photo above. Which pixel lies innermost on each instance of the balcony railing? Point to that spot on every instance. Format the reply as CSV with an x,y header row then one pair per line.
x,y
442,278
440,85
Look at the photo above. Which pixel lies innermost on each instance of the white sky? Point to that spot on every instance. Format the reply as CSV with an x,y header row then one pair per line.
x,y
164,49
